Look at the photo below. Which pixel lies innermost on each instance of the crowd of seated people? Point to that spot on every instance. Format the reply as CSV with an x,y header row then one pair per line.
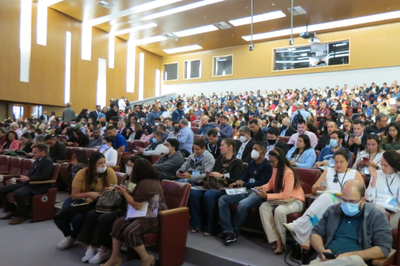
x,y
252,141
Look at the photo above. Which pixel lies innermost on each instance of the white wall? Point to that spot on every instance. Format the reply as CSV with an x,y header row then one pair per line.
x,y
314,80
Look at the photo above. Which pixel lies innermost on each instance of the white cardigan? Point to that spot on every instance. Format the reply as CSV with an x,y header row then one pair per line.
x,y
111,157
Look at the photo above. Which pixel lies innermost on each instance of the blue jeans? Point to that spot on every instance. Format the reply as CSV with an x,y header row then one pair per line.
x,y
246,202
208,200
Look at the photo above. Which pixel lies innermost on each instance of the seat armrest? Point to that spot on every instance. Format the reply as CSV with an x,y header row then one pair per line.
x,y
63,161
42,182
172,211
115,168
385,261
10,176
4,172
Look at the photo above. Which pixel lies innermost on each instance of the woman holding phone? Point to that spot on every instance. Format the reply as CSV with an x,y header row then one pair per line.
x,y
285,185
384,188
371,156
331,180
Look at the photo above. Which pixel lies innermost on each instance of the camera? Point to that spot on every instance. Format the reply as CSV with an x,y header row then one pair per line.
x,y
251,47
291,41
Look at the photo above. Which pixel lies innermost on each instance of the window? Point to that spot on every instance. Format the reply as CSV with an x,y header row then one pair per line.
x,y
18,111
141,75
192,69
223,65
171,72
101,82
67,74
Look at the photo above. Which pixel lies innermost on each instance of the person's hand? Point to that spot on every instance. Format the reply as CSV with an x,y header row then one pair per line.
x,y
217,129
347,254
382,134
121,189
360,164
94,195
216,175
89,200
141,150
186,175
319,187
356,140
373,164
292,163
319,164
23,178
322,257
262,194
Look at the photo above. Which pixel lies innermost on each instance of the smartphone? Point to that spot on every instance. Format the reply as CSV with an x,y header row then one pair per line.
x,y
352,136
255,190
329,256
324,184
113,185
365,160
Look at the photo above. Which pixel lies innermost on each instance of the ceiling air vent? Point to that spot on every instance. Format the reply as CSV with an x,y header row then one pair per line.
x,y
297,10
222,25
105,4
170,36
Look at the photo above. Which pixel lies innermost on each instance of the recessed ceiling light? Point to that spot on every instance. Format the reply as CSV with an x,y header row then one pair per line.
x,y
327,25
222,25
183,49
195,31
297,10
181,9
137,28
153,39
257,18
133,10
105,4
170,36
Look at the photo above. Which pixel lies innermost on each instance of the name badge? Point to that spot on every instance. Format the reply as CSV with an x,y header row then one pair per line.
x,y
195,173
331,162
227,175
314,220
391,201
252,180
239,155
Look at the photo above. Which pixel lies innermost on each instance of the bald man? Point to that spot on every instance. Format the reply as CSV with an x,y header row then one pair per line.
x,y
204,126
354,230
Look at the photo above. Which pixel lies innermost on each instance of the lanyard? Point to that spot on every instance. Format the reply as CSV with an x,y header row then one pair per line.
x,y
369,156
341,183
388,186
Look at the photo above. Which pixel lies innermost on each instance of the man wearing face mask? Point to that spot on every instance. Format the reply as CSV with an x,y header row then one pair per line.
x,y
257,173
323,141
171,161
156,146
273,141
325,158
354,230
286,130
244,144
175,131
153,114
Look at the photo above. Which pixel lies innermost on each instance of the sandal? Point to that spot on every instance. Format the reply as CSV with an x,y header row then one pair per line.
x,y
206,234
278,251
193,231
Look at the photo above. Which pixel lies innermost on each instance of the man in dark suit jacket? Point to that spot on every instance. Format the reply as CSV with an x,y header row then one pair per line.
x,y
95,114
273,141
245,144
44,117
286,130
42,171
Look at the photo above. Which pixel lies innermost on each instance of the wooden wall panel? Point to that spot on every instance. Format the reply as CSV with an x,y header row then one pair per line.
x,y
151,63
46,86
371,47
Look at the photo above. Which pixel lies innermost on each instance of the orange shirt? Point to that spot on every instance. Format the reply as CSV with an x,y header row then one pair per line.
x,y
287,189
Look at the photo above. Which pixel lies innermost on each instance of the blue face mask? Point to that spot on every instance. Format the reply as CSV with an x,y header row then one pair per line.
x,y
284,127
104,146
153,140
350,209
333,143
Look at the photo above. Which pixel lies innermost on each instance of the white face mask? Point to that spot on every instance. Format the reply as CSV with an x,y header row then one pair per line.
x,y
165,150
128,169
255,154
73,125
156,124
101,170
242,139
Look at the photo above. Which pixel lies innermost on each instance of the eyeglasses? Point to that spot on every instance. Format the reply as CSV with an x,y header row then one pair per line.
x,y
352,201
273,161
336,178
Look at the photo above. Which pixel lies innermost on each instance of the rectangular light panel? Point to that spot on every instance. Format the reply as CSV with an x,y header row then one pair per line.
x,y
137,28
258,18
111,51
327,25
25,39
141,76
130,67
101,83
195,31
183,49
158,38
67,74
86,45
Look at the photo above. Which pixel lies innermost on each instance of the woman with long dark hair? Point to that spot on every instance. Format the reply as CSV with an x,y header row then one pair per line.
x,y
302,155
131,231
86,188
392,140
372,155
285,185
79,140
384,187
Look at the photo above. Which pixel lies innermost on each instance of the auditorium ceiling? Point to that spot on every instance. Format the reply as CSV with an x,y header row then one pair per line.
x,y
166,19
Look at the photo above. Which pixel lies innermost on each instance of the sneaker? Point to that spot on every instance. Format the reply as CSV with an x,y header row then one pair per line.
x,y
289,227
100,256
231,238
65,243
222,236
90,253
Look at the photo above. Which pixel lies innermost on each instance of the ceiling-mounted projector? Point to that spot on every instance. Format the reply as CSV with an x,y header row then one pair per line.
x,y
314,40
306,35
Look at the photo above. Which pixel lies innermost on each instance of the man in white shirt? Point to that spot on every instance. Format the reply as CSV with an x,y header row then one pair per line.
x,y
122,104
15,127
302,129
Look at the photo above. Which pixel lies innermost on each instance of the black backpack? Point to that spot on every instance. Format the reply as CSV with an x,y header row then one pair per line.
x,y
298,117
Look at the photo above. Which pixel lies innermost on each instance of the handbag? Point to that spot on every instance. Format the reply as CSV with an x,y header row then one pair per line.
x,y
109,201
211,182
